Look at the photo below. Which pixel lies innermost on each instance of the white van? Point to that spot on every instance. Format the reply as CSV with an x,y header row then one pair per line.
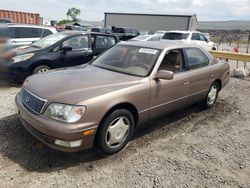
x,y
21,34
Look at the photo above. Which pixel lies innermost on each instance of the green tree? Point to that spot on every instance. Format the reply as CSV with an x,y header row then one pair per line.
x,y
73,13
63,22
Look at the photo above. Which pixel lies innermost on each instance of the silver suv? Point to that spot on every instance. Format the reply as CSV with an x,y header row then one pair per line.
x,y
21,34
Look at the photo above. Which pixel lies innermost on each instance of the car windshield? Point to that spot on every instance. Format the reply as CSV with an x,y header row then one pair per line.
x,y
175,36
133,60
49,40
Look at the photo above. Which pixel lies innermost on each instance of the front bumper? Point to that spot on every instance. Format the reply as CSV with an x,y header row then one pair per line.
x,y
43,131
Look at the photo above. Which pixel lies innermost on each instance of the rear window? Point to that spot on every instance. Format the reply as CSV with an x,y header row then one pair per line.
x,y
175,36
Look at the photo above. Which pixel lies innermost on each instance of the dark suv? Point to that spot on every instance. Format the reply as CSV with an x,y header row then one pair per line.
x,y
125,33
58,50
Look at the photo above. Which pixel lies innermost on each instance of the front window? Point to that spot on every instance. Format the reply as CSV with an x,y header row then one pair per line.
x,y
49,40
175,36
77,42
131,60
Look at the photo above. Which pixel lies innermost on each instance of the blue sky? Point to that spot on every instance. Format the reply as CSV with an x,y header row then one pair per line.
x,y
206,10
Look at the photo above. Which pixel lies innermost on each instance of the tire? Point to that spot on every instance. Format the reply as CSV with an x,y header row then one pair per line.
x,y
212,96
113,136
40,69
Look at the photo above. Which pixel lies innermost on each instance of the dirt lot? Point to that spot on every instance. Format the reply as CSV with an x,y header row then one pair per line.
x,y
189,148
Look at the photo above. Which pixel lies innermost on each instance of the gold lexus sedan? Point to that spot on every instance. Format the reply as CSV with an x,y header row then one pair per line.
x,y
102,102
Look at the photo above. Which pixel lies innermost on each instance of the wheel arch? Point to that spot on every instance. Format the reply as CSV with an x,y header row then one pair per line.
x,y
124,105
219,82
40,63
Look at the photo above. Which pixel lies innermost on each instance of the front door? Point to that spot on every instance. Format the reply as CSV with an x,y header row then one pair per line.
x,y
169,95
80,52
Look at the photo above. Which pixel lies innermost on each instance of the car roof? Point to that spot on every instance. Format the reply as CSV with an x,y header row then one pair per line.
x,y
161,45
70,32
29,25
178,31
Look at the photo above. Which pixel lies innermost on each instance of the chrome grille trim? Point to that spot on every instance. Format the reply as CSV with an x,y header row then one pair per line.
x,y
36,97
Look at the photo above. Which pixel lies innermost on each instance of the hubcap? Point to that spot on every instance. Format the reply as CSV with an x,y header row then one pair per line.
x,y
212,95
43,70
117,132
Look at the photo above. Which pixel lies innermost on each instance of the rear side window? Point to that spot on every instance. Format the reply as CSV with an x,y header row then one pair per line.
x,y
104,42
175,36
27,32
46,32
196,58
195,36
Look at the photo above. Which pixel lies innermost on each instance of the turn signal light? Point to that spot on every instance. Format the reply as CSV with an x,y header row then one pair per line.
x,y
89,132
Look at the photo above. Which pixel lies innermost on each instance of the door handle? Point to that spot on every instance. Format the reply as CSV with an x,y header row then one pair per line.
x,y
212,75
186,82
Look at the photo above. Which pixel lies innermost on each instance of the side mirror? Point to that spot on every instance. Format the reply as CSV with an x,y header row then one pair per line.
x,y
165,75
66,49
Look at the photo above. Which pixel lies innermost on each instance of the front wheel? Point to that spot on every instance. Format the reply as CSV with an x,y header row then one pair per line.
x,y
115,131
212,96
41,69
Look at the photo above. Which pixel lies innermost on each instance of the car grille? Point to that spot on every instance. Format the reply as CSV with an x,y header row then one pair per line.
x,y
31,101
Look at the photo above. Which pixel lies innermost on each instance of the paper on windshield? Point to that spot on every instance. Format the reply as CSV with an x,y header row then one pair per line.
x,y
148,51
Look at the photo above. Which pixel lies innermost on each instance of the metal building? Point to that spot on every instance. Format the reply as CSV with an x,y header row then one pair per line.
x,y
152,22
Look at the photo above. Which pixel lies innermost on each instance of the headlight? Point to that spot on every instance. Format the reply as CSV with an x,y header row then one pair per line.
x,y
24,57
65,113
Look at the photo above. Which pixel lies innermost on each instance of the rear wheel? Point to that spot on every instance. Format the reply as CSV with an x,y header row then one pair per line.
x,y
41,69
212,96
115,131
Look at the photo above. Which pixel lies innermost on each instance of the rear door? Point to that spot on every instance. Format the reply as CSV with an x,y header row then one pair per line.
x,y
81,52
200,40
102,43
199,71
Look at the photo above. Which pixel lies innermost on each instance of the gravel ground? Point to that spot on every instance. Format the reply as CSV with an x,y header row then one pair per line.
x,y
188,148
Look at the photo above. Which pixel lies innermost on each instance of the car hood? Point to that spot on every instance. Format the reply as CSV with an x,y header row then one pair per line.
x,y
24,50
78,84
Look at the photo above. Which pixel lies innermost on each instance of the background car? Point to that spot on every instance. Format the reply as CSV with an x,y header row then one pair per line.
x,y
104,101
146,32
191,37
5,20
102,30
155,37
58,50
21,34
125,33
162,32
